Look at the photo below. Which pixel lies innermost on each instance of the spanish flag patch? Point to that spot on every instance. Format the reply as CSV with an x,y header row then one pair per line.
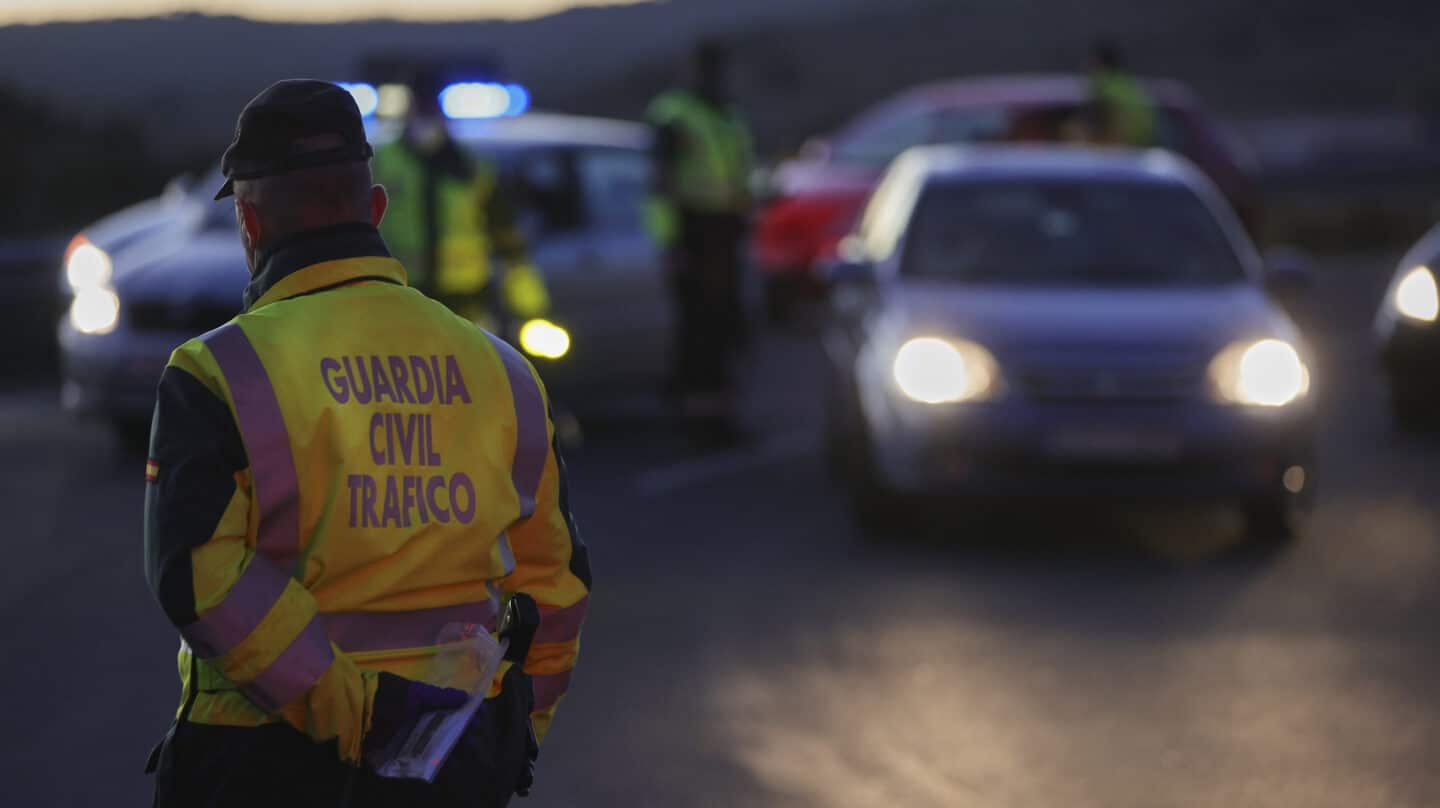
x,y
152,470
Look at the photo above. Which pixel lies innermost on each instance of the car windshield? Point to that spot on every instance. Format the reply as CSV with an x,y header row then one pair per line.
x,y
1068,233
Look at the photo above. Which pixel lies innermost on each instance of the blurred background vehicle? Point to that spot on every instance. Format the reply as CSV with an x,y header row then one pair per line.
x,y
148,278
1409,338
1037,322
815,197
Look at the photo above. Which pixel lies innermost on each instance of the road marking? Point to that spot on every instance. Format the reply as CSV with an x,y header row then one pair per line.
x,y
675,476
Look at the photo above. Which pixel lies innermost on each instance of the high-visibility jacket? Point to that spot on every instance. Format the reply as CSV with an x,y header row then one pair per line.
x,y
469,224
1130,113
337,474
710,170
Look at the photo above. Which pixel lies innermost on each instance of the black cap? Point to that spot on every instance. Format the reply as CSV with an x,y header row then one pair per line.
x,y
294,124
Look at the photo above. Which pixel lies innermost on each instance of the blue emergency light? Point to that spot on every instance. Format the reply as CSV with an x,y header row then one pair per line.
x,y
465,100
365,95
483,99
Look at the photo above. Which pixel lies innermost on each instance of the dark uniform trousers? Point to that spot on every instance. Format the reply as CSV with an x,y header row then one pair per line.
x,y
706,277
272,766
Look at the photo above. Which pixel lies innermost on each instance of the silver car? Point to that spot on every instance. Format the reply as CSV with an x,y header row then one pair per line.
x,y
147,279
1060,322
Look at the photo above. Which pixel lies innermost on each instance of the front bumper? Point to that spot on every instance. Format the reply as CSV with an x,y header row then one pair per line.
x,y
113,375
1142,450
1410,358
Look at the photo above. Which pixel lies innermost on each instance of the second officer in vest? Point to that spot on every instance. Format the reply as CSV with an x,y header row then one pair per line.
x,y
449,217
699,215
338,477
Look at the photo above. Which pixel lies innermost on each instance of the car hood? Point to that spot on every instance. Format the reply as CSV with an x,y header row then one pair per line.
x,y
823,177
208,267
1063,321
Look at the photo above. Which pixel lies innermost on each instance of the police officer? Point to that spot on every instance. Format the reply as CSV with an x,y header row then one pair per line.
x,y
698,214
1123,110
448,215
339,476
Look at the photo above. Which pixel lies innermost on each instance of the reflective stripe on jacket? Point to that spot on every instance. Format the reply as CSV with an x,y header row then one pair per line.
x,y
712,168
336,475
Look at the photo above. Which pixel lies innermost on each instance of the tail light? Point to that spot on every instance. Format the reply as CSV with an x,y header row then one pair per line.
x,y
793,232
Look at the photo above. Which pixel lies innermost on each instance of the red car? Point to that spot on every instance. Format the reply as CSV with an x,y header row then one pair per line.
x,y
816,196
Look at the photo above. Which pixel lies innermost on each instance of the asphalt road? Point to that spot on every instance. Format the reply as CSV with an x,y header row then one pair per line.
x,y
746,647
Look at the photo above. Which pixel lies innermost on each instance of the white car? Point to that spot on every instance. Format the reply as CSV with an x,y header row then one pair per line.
x,y
145,280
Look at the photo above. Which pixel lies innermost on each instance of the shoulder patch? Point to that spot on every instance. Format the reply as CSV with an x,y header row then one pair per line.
x,y
152,470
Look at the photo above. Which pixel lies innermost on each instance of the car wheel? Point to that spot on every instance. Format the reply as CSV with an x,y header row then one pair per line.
x,y
1272,521
877,509
1413,413
780,300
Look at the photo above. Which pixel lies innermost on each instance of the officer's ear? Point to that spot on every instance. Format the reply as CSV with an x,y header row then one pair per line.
x,y
249,220
379,201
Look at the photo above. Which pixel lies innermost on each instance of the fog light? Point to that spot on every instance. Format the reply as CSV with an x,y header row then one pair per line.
x,y
1294,479
544,339
95,311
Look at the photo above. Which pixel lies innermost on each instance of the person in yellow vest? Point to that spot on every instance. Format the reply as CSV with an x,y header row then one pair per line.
x,y
698,214
1124,113
341,479
448,218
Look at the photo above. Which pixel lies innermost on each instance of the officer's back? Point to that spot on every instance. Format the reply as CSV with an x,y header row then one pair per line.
x,y
341,478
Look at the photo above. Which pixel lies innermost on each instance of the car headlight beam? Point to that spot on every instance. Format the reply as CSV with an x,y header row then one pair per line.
x,y
1264,373
87,267
95,310
1416,296
937,371
544,339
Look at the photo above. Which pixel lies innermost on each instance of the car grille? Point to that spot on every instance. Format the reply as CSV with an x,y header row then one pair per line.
x,y
1121,383
192,319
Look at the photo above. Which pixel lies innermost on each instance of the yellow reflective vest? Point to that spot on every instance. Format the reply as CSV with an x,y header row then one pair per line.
x,y
1130,115
711,169
397,476
465,232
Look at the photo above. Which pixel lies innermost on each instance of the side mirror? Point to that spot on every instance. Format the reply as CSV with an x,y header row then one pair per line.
x,y
842,273
1287,274
850,277
850,267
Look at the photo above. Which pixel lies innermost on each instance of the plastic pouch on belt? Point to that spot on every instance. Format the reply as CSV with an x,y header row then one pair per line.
x,y
467,659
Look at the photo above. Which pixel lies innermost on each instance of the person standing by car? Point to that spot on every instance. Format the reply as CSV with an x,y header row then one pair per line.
x,y
1124,112
338,476
449,215
698,214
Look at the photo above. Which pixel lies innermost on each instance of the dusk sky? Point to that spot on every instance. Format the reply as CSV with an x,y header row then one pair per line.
x,y
42,11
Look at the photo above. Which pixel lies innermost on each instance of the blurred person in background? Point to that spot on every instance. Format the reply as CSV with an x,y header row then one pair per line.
x,y
699,214
339,475
1123,112
448,216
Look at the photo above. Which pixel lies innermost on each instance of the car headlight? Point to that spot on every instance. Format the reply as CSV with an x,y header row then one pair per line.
x,y
937,371
1265,373
95,310
87,266
544,339
1416,296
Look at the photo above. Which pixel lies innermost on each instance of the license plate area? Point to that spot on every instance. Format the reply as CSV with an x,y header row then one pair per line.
x,y
1114,444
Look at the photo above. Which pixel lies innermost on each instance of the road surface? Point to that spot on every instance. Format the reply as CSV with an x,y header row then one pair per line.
x,y
747,647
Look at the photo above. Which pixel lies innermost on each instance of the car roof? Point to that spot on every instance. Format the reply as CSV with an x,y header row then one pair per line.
x,y
540,129
1037,89
1079,162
